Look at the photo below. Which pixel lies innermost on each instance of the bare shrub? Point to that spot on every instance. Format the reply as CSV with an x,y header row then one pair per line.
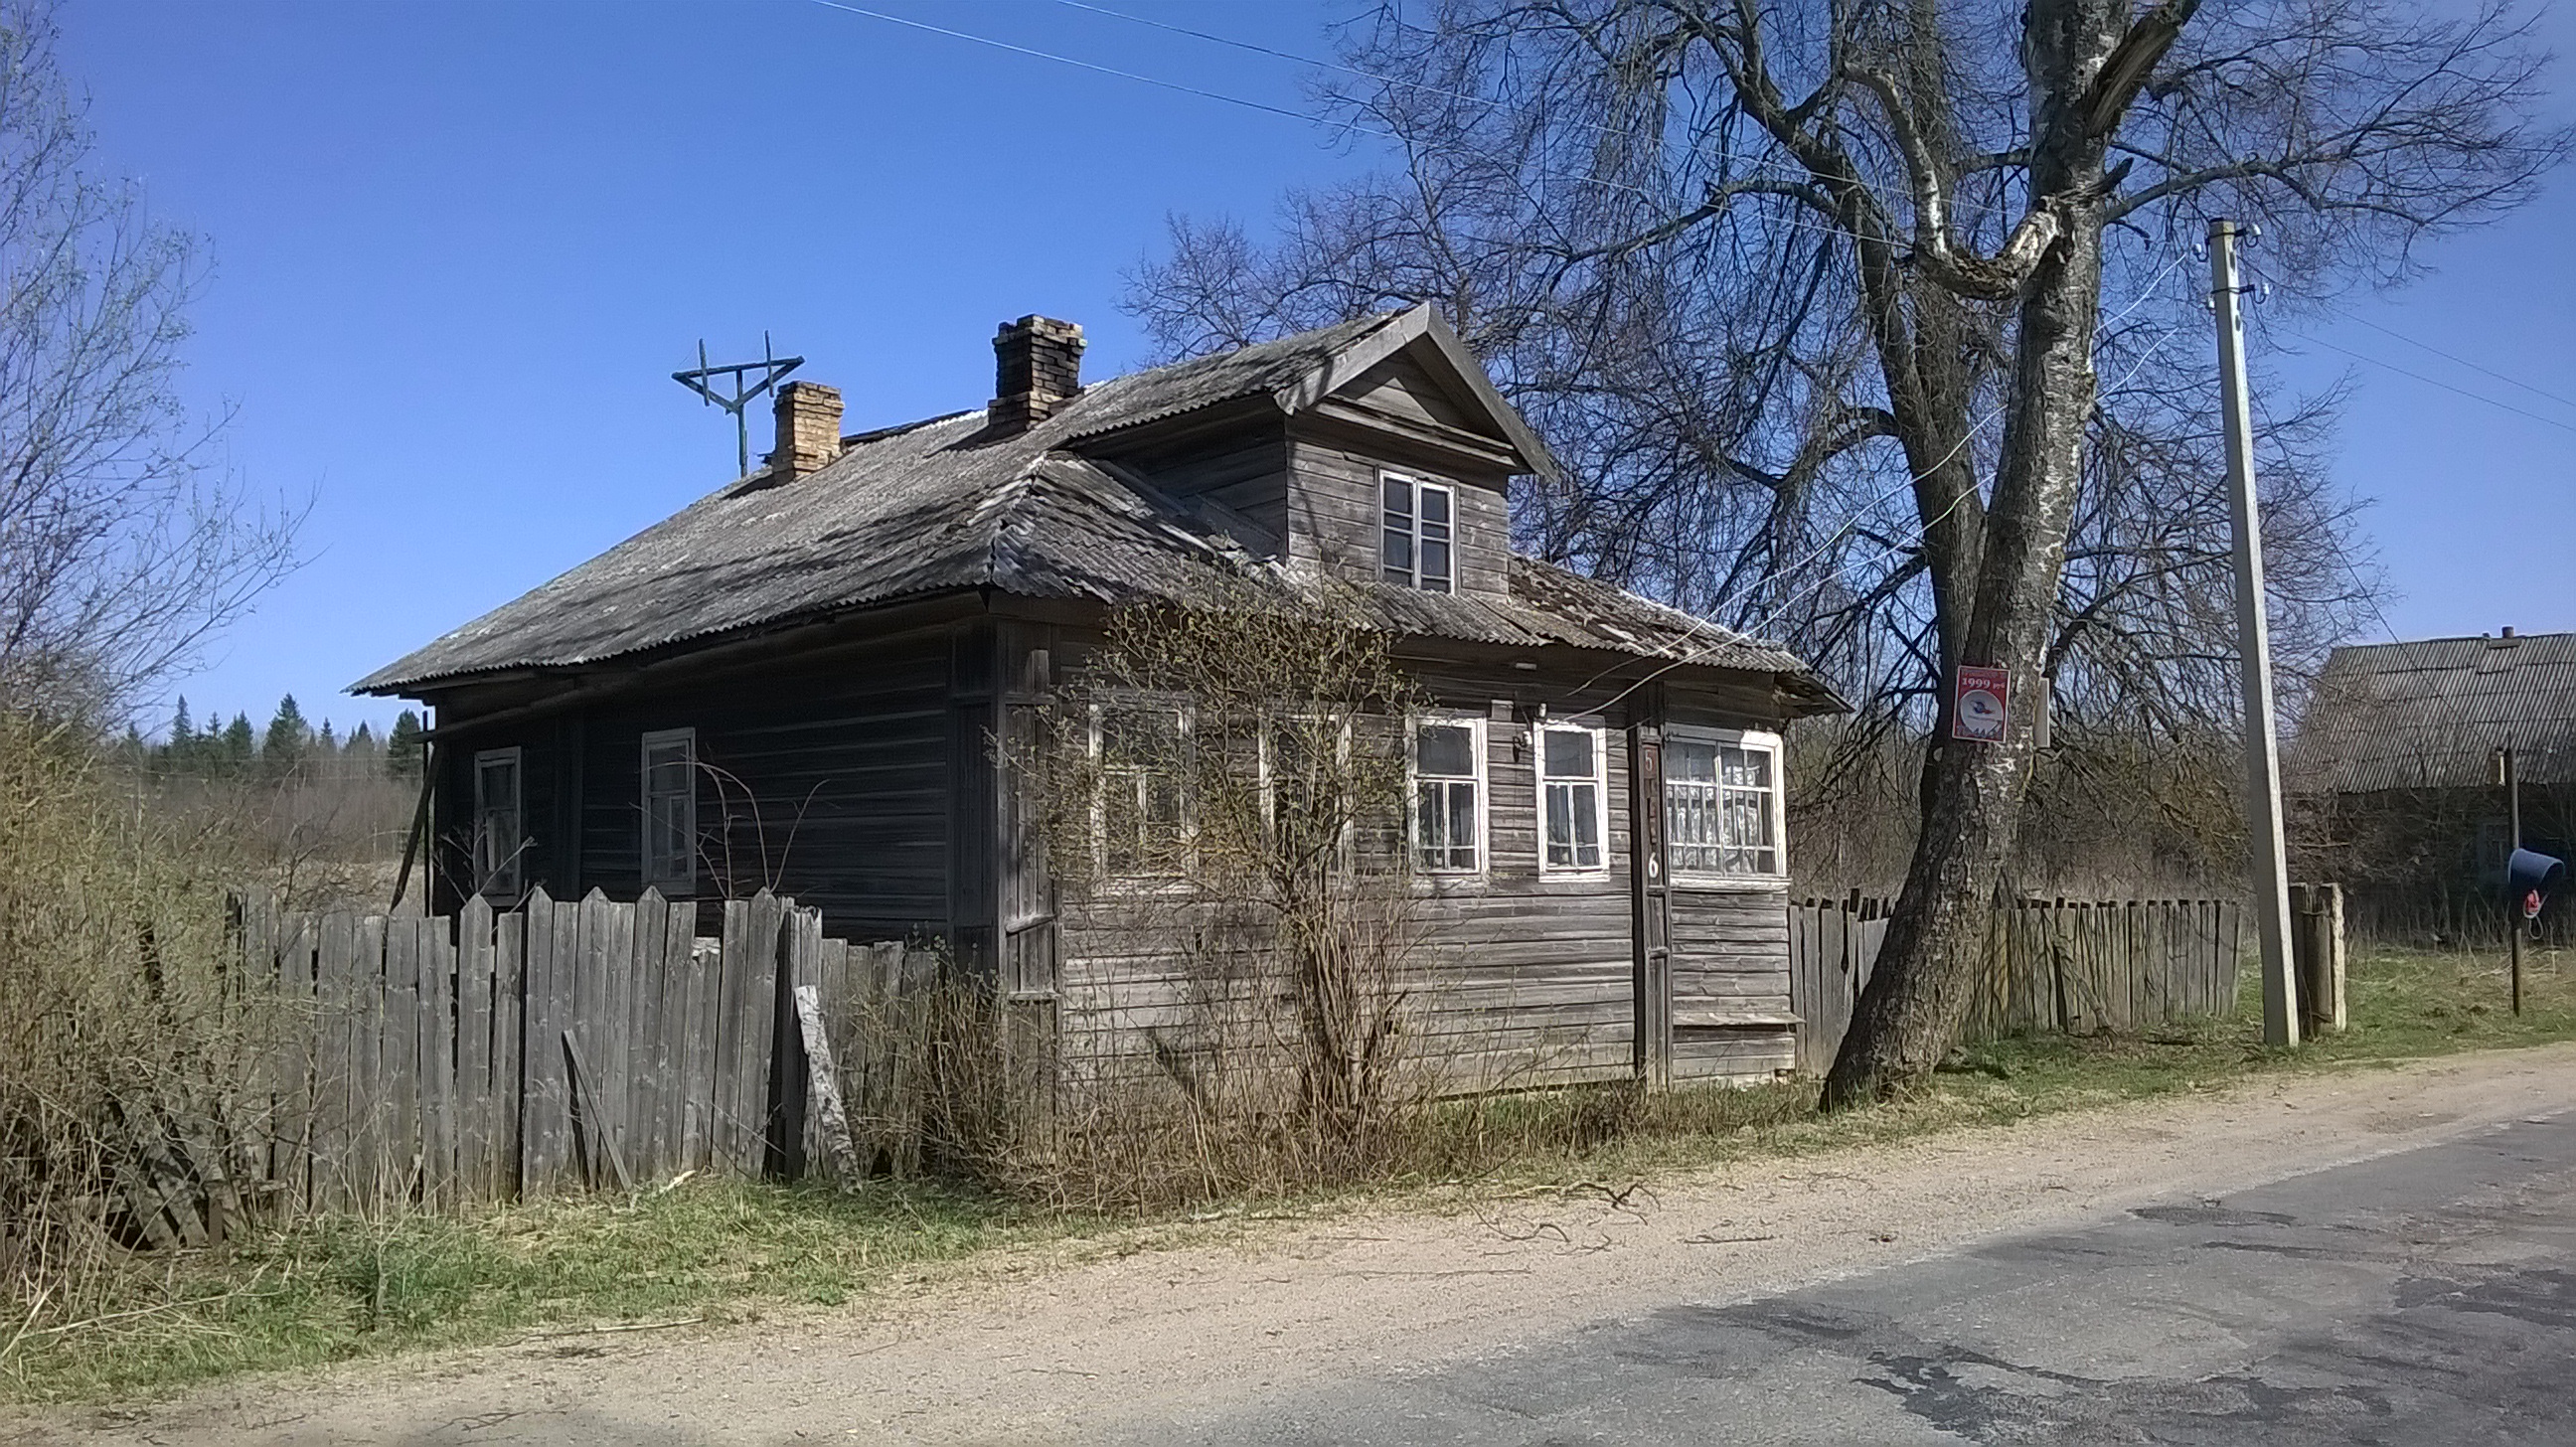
x,y
1223,790
124,1037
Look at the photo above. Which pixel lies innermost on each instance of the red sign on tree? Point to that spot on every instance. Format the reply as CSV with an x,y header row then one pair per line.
x,y
1978,711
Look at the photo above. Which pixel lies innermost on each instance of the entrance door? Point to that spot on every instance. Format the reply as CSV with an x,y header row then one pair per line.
x,y
1652,912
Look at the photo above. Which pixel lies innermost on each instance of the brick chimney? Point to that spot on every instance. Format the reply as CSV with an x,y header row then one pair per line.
x,y
1037,364
809,429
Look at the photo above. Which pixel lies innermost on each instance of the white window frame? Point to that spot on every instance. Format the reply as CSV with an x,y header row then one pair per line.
x,y
1762,739
1413,577
1341,729
1475,724
685,882
500,872
1180,710
1600,782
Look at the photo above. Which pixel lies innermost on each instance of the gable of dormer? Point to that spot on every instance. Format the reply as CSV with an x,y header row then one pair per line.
x,y
1312,467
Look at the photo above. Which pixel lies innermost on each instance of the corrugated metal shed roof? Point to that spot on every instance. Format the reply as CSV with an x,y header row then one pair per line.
x,y
2430,714
943,505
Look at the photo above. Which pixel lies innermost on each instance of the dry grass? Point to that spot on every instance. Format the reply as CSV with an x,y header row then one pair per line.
x,y
119,1023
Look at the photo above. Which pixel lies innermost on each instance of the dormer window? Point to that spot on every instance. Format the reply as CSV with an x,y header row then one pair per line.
x,y
1419,533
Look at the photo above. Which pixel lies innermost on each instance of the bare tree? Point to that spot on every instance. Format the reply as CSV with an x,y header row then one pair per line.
x,y
1811,298
121,543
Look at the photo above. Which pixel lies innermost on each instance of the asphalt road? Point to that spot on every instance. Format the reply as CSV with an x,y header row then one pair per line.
x,y
2419,1298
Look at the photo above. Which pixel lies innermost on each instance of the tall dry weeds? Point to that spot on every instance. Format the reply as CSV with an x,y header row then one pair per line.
x,y
124,1035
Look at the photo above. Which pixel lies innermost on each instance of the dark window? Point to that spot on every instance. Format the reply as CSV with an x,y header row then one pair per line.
x,y
671,810
1419,533
498,842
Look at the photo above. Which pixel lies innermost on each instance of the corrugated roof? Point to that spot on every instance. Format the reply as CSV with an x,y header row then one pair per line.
x,y
2431,713
941,506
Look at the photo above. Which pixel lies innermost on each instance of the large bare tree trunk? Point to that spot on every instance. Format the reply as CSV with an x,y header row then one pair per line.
x,y
1927,967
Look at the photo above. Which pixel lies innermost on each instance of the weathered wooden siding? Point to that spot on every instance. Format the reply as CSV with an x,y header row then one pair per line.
x,y
1244,474
1731,1009
834,775
1333,513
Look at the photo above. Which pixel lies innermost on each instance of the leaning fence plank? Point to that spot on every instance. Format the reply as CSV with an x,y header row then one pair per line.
x,y
831,1122
601,1162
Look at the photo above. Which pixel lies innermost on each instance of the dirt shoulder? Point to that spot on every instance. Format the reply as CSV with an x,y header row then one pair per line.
x,y
1046,1351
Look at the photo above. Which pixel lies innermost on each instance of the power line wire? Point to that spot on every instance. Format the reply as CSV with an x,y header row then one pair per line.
x,y
1171,85
1307,117
1772,164
2462,361
2437,382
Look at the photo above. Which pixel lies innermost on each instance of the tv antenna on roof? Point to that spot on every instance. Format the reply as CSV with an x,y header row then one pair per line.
x,y
701,380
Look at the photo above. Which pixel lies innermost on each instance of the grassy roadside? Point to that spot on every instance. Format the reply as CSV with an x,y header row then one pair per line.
x,y
347,1288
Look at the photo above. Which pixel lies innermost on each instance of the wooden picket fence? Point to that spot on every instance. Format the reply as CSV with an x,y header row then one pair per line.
x,y
2075,966
569,1044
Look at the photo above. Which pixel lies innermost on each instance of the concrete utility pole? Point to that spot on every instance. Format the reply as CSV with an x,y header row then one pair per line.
x,y
2512,781
2254,653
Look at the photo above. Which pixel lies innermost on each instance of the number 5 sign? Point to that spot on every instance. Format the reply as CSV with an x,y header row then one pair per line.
x,y
1978,712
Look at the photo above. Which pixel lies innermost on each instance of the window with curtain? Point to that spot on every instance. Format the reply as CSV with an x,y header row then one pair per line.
x,y
1448,778
1722,805
1571,801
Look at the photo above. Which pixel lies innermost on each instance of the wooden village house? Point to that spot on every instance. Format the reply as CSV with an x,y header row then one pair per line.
x,y
799,680
2394,762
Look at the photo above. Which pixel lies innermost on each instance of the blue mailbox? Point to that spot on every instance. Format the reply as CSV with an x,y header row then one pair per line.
x,y
2531,873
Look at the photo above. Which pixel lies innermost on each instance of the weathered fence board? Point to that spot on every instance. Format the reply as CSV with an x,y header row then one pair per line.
x,y
436,1061
2051,965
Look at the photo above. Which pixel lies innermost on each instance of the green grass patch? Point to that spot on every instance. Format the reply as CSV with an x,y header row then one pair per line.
x,y
344,1288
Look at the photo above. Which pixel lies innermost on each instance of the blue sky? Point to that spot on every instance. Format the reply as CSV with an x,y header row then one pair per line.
x,y
460,247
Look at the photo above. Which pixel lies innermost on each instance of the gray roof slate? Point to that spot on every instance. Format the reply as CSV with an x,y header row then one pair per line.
x,y
2430,714
941,505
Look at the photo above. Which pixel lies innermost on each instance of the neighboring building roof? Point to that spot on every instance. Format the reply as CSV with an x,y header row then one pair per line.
x,y
2430,714
943,505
